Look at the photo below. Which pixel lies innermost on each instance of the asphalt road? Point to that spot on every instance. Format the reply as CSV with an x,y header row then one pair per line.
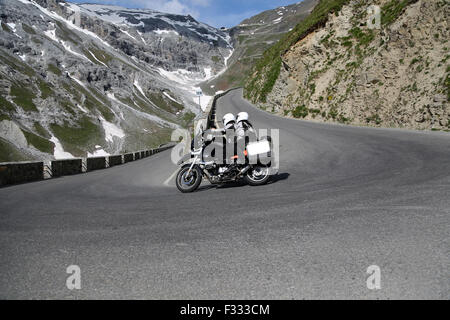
x,y
345,198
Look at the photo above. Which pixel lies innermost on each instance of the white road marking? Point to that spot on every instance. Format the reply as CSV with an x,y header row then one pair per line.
x,y
166,183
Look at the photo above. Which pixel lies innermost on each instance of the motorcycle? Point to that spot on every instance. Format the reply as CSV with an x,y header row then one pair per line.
x,y
197,165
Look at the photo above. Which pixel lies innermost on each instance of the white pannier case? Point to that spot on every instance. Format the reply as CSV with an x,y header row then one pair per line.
x,y
257,148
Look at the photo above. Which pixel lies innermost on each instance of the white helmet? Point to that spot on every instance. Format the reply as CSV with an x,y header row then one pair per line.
x,y
228,119
243,116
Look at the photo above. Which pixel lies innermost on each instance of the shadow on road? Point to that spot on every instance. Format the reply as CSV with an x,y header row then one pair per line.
x,y
274,179
279,177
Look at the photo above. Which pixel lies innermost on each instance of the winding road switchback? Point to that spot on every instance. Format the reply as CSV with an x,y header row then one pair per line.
x,y
345,198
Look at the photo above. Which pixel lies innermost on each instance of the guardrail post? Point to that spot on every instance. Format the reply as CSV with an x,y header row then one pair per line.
x,y
48,169
83,165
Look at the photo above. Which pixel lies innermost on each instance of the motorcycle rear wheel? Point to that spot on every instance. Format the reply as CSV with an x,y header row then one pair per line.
x,y
258,176
188,184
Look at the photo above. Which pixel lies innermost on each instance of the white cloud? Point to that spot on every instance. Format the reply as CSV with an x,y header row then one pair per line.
x,y
200,3
171,6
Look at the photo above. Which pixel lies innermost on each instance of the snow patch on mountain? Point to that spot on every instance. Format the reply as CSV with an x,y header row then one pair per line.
x,y
52,35
208,73
76,80
168,32
59,152
138,86
128,34
23,57
99,152
227,58
82,109
278,20
170,97
12,26
180,76
111,131
96,59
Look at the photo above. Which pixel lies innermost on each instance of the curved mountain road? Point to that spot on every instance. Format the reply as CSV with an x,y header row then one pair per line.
x,y
345,198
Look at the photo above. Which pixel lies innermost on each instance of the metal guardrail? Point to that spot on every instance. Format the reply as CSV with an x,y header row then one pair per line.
x,y
212,108
22,172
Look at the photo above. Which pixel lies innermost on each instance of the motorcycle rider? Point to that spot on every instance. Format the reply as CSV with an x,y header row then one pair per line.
x,y
244,128
229,122
245,134
229,134
221,141
228,131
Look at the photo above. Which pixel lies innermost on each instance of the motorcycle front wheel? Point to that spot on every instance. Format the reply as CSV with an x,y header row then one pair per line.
x,y
188,183
258,176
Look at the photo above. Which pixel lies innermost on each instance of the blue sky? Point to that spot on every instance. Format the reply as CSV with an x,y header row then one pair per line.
x,y
218,13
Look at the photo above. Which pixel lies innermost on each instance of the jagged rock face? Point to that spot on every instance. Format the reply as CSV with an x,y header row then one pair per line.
x,y
397,76
96,86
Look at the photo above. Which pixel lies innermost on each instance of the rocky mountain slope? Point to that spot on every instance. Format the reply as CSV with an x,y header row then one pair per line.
x,y
79,80
333,67
252,37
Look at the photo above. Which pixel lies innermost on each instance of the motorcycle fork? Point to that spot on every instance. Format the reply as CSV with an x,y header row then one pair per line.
x,y
192,166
